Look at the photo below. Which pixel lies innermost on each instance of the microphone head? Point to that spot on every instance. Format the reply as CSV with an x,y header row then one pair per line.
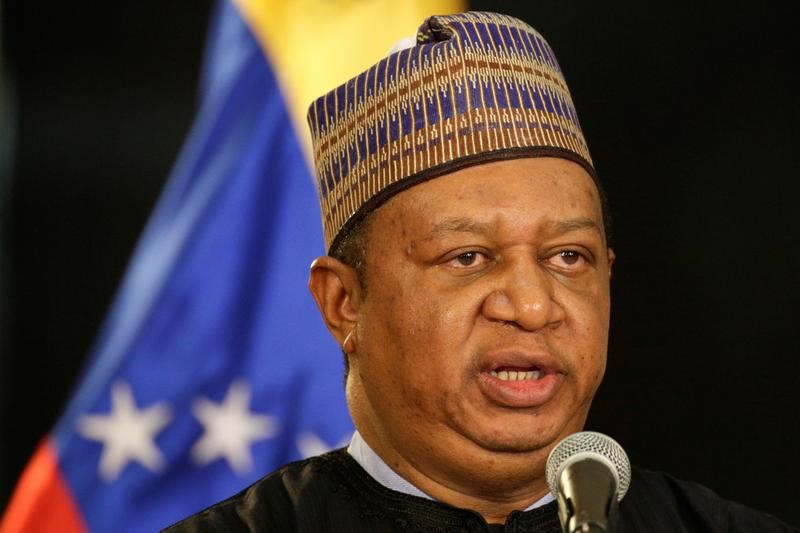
x,y
589,445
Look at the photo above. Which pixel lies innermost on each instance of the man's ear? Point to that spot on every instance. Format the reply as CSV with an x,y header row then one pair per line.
x,y
611,257
337,291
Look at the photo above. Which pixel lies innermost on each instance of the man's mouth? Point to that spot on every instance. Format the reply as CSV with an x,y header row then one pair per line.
x,y
510,374
520,379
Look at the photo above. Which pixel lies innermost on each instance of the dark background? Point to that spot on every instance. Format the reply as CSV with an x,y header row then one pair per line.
x,y
691,114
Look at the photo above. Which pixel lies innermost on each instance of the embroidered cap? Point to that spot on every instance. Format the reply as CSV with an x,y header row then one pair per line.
x,y
477,87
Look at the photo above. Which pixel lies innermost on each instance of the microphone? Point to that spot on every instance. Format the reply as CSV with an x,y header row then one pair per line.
x,y
588,473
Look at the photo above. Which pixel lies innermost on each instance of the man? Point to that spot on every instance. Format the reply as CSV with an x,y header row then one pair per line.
x,y
467,282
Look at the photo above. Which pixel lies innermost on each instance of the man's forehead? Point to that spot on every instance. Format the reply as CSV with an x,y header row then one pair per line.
x,y
549,196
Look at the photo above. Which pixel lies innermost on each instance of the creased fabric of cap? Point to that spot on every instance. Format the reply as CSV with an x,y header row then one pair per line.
x,y
477,87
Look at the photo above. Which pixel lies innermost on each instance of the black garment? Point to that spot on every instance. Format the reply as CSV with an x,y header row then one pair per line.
x,y
332,493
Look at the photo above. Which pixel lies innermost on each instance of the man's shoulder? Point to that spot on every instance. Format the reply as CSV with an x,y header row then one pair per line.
x,y
269,503
656,497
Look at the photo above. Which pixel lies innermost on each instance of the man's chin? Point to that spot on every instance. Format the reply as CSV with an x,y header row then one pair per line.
x,y
517,443
517,438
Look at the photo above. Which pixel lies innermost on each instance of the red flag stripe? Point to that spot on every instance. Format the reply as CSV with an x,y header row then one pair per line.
x,y
41,500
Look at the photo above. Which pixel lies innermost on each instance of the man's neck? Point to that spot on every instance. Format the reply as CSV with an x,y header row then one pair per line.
x,y
383,474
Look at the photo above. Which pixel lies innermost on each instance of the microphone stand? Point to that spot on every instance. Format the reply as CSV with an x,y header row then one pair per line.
x,y
595,501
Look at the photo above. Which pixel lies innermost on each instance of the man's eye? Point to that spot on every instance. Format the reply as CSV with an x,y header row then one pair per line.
x,y
568,259
468,259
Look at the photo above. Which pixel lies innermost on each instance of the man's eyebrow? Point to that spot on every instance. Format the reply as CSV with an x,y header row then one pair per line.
x,y
574,224
459,224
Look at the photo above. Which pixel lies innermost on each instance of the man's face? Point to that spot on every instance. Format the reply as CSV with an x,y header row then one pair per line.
x,y
484,325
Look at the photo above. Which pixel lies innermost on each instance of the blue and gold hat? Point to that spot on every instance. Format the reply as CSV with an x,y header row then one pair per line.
x,y
477,87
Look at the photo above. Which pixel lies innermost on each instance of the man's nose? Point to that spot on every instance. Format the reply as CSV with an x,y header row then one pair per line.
x,y
524,294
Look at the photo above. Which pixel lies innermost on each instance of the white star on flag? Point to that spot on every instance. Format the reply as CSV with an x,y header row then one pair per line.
x,y
230,428
127,433
310,444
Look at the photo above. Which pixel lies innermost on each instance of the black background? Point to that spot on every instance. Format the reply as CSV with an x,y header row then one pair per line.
x,y
691,114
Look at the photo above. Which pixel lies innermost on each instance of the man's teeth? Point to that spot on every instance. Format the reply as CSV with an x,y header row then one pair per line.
x,y
513,375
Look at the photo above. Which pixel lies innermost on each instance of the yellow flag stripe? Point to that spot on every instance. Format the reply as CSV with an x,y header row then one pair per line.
x,y
316,45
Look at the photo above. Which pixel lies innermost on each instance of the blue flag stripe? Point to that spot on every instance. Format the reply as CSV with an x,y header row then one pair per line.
x,y
213,329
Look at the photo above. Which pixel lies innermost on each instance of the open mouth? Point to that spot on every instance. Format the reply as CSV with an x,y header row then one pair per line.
x,y
518,380
517,374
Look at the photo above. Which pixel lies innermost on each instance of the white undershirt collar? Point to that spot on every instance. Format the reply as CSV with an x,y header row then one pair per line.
x,y
380,471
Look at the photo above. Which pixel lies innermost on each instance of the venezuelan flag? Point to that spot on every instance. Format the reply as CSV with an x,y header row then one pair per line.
x,y
212,367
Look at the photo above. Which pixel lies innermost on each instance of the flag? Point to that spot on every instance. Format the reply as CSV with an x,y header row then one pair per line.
x,y
213,367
